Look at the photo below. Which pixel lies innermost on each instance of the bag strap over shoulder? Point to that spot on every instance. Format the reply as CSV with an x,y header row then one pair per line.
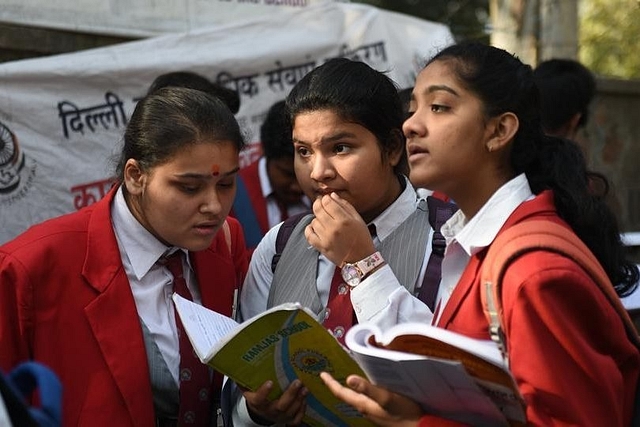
x,y
537,235
284,232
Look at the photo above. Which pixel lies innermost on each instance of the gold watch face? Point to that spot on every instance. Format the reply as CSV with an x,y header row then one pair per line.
x,y
351,274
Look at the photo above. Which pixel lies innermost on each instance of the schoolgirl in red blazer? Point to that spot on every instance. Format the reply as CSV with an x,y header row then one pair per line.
x,y
475,134
72,295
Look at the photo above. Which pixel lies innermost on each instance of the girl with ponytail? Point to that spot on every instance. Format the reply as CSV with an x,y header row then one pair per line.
x,y
474,133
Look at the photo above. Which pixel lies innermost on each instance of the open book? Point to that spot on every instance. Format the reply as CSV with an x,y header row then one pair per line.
x,y
281,344
449,374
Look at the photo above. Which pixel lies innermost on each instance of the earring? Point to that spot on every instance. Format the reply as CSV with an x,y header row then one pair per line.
x,y
489,148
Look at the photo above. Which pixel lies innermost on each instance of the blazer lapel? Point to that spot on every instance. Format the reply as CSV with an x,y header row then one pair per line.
x,y
542,204
114,318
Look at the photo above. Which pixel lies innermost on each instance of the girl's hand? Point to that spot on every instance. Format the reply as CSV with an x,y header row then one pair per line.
x,y
338,231
287,409
375,403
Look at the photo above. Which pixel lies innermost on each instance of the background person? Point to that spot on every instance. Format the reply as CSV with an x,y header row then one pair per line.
x,y
566,90
268,190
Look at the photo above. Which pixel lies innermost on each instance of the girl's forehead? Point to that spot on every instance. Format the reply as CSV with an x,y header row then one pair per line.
x,y
215,157
438,69
440,74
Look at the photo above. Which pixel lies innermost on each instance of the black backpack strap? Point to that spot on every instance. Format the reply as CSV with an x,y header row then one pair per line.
x,y
283,236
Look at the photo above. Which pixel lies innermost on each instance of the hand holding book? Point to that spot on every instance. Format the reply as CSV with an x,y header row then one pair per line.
x,y
448,374
282,344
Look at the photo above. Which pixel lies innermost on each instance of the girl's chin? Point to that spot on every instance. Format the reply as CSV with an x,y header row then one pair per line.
x,y
199,242
419,180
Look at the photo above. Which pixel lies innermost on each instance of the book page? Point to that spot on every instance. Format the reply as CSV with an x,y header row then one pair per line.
x,y
468,384
357,340
485,349
441,387
204,327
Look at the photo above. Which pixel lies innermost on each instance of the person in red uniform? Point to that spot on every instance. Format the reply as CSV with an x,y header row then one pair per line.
x,y
474,133
88,294
268,190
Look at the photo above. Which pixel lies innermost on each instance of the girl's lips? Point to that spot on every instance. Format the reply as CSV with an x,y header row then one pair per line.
x,y
206,228
416,149
325,191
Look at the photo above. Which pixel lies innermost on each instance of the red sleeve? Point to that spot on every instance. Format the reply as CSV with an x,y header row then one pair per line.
x,y
15,306
568,349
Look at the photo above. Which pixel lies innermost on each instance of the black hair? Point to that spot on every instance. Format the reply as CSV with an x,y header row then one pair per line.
x,y
504,84
566,88
196,81
275,133
405,99
356,93
168,119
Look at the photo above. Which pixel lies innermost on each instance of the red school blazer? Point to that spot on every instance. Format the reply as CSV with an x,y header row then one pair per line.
x,y
568,348
66,302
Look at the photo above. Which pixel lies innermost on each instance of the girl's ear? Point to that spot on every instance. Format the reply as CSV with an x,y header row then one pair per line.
x,y
504,129
396,149
134,177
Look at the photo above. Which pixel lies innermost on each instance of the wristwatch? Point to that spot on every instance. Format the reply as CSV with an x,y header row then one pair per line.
x,y
354,273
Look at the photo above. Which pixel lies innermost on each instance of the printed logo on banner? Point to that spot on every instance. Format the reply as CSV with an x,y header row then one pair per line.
x,y
17,171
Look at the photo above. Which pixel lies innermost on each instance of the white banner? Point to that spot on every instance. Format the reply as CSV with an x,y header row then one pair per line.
x,y
62,117
140,17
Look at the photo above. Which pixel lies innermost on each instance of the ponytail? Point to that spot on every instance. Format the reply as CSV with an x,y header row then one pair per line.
x,y
580,199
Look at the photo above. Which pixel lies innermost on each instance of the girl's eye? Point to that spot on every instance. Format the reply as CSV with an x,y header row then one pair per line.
x,y
190,189
436,108
342,148
226,184
302,151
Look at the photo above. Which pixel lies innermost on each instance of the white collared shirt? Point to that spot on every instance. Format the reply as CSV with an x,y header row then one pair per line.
x,y
466,237
374,302
151,283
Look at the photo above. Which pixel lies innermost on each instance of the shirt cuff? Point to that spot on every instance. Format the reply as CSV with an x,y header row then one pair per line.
x,y
372,294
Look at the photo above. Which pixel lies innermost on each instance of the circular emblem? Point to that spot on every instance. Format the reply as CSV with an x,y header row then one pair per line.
x,y
11,160
311,362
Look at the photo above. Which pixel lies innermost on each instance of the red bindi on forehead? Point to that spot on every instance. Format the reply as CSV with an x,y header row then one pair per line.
x,y
215,170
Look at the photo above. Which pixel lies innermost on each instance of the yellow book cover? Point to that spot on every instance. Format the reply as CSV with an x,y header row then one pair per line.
x,y
283,343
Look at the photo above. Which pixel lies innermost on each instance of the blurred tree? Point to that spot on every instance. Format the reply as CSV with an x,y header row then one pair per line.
x,y
608,34
535,30
467,19
540,29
